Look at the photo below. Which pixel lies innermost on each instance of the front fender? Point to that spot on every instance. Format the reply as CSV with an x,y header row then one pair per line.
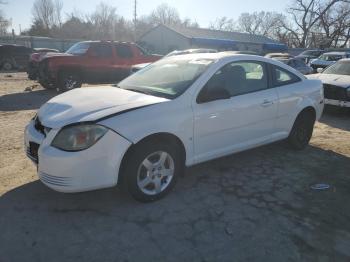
x,y
159,118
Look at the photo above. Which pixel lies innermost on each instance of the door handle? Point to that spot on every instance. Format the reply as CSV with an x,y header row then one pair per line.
x,y
267,103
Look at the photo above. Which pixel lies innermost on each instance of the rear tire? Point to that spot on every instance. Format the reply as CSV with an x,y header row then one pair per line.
x,y
68,81
151,170
302,130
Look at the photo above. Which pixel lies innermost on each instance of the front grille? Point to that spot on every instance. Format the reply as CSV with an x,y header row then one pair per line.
x,y
55,180
32,151
335,92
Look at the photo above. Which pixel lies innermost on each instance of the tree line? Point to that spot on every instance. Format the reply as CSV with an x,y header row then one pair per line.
x,y
104,23
305,23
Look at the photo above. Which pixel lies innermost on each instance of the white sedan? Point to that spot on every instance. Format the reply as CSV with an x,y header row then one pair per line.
x,y
177,112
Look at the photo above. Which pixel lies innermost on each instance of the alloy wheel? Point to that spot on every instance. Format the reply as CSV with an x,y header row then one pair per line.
x,y
155,173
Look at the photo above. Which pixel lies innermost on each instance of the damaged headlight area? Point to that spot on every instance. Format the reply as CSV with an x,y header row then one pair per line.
x,y
78,137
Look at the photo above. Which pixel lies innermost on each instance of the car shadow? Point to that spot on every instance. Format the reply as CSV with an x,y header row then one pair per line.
x,y
336,117
27,100
267,186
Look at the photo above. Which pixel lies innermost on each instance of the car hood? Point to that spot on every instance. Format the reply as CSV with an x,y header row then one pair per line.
x,y
332,79
91,104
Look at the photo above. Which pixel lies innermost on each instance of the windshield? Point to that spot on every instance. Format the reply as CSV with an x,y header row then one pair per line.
x,y
78,48
167,78
340,68
330,57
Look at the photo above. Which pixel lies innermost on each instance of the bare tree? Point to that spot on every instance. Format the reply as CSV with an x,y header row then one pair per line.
x,y
335,25
48,12
4,22
260,23
223,23
305,14
58,6
103,21
166,15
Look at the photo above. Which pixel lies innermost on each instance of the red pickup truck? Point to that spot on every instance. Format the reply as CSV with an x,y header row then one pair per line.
x,y
90,62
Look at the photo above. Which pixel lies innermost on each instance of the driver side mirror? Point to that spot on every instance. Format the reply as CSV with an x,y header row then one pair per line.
x,y
319,70
212,94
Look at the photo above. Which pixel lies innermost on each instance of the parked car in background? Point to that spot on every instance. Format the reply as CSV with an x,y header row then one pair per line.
x,y
327,59
90,62
138,67
14,56
278,55
177,112
336,83
309,55
34,60
297,64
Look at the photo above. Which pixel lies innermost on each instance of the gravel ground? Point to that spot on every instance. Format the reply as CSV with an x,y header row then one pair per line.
x,y
252,206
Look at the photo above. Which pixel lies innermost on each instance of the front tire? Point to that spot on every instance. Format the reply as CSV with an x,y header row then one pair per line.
x,y
7,65
152,170
68,81
302,130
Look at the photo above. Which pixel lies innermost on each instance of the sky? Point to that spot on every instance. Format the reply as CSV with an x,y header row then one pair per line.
x,y
202,11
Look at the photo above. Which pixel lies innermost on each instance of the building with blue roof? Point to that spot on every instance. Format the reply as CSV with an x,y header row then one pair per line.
x,y
163,39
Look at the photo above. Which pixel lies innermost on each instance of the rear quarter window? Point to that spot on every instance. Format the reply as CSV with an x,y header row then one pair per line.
x,y
283,77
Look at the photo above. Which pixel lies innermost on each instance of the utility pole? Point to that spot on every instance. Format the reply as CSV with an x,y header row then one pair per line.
x,y
135,11
135,18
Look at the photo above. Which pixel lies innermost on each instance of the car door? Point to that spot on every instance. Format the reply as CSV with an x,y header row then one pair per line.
x,y
287,85
244,119
99,63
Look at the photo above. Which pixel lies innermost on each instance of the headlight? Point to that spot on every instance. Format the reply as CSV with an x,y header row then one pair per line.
x,y
78,137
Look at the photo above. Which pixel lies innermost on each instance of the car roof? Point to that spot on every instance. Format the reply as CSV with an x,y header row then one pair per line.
x,y
226,55
220,56
313,50
336,53
107,41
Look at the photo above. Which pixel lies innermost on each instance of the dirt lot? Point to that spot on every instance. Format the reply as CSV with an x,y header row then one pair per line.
x,y
252,206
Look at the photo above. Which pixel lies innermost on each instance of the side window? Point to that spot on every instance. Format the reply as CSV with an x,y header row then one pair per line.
x,y
237,78
102,50
123,51
283,77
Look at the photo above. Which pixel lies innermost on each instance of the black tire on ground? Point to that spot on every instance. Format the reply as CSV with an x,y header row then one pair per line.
x,y
7,65
133,169
69,80
302,130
